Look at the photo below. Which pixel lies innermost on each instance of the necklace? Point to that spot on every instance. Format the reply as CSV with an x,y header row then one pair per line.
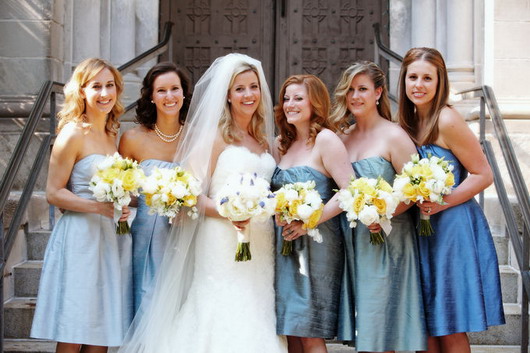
x,y
167,138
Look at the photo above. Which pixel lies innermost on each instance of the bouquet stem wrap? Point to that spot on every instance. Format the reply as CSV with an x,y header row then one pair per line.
x,y
243,245
122,227
425,227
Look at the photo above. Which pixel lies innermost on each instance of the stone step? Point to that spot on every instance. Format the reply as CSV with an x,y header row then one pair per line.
x,y
505,335
27,277
509,284
37,241
18,315
339,348
502,247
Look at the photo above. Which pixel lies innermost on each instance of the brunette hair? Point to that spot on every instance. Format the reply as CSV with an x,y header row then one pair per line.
x,y
407,111
146,110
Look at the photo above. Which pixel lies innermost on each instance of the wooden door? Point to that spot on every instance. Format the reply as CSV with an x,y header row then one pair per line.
x,y
320,37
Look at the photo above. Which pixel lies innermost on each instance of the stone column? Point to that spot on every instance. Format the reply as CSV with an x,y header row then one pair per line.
x,y
400,37
460,46
147,15
423,28
85,30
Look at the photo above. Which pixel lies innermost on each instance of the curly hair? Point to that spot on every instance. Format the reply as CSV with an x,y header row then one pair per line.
x,y
257,124
145,109
318,97
74,107
407,111
340,115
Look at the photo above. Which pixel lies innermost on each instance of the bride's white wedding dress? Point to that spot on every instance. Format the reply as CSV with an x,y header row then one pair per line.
x,y
230,305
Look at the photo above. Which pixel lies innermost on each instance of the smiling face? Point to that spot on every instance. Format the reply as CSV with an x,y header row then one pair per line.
x,y
362,95
244,95
296,105
168,94
100,93
421,83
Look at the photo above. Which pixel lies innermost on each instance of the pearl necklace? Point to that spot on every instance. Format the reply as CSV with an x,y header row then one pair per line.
x,y
167,138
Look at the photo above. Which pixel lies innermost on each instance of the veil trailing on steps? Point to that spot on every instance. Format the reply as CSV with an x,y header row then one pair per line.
x,y
153,324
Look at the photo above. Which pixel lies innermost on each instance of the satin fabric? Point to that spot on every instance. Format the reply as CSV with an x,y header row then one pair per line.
x,y
459,268
149,234
85,292
388,297
308,282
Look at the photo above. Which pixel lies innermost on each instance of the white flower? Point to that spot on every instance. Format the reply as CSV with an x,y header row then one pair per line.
x,y
368,215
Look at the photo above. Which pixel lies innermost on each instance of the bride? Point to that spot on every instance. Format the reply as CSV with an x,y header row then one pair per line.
x,y
203,300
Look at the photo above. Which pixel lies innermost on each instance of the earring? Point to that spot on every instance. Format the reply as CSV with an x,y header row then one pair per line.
x,y
377,102
183,97
152,102
229,100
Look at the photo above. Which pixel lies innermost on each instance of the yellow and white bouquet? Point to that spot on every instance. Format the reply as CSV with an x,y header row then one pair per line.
x,y
245,196
166,190
116,179
426,179
299,202
369,201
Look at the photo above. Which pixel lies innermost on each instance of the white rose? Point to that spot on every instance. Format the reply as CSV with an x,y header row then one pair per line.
x,y
179,190
305,211
291,195
100,191
368,215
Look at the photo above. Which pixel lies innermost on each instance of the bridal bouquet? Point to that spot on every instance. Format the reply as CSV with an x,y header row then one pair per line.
x,y
116,179
369,201
299,202
245,196
166,190
426,179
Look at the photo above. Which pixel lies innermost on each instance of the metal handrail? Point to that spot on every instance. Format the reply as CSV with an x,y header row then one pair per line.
x,y
381,50
48,90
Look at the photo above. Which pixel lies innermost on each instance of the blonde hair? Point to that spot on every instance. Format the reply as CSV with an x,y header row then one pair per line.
x,y
318,97
256,126
74,107
340,115
407,110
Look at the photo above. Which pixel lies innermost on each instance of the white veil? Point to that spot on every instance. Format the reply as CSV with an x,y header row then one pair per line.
x,y
152,328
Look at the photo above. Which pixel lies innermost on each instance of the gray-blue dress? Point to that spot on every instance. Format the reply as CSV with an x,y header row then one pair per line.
x,y
388,297
149,234
85,293
308,281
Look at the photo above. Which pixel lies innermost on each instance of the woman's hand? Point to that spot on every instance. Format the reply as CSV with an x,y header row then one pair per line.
x,y
241,225
429,208
279,222
375,228
293,230
125,213
105,209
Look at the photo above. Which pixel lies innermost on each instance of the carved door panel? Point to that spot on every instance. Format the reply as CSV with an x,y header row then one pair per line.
x,y
320,37
207,29
325,37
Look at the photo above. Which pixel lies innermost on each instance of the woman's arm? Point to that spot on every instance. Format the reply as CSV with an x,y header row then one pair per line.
x,y
65,153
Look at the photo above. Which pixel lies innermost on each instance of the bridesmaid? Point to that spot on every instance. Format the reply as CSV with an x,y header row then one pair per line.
x,y
161,113
308,282
387,290
84,300
456,301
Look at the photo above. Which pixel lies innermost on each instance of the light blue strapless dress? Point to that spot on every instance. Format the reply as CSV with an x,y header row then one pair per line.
x,y
149,234
308,282
388,298
85,292
459,269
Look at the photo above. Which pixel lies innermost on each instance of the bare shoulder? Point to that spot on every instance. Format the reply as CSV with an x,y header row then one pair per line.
x,y
449,119
327,136
394,133
70,135
131,142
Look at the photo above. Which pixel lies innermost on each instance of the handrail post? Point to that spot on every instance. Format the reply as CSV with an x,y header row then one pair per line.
x,y
524,297
53,108
2,267
482,136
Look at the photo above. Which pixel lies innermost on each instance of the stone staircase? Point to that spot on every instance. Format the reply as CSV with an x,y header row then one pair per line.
x,y
24,273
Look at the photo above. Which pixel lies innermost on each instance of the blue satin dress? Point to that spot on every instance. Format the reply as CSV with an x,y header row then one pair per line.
x,y
85,292
389,311
459,268
308,282
149,234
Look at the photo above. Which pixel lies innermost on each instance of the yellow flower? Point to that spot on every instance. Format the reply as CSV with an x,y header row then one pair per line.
x,y
358,203
293,209
190,200
450,180
128,179
171,199
409,191
148,199
314,218
281,202
426,171
384,185
108,175
424,191
380,204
